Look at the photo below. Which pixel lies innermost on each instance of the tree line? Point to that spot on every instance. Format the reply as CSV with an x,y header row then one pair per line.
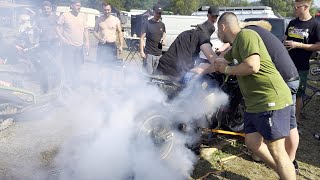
x,y
283,8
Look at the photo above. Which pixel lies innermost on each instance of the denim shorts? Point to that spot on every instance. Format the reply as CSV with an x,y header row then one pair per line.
x,y
294,86
272,125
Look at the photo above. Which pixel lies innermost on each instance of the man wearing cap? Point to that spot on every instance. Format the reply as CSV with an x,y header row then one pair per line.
x,y
73,32
154,31
106,29
213,14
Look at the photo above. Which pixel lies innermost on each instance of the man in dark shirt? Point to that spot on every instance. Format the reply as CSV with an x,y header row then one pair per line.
x,y
181,55
289,73
47,24
302,38
154,31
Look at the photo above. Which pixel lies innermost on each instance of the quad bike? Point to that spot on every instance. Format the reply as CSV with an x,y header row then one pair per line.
x,y
168,118
22,82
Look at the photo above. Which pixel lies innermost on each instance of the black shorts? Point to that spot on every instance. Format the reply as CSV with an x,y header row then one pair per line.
x,y
272,125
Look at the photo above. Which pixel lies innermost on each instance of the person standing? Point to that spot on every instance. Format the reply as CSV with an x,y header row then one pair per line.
x,y
302,38
46,24
266,95
72,31
284,64
106,30
154,31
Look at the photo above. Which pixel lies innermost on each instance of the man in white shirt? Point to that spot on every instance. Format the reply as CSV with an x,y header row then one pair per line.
x,y
73,32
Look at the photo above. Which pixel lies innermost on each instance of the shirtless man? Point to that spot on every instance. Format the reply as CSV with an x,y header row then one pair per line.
x,y
106,29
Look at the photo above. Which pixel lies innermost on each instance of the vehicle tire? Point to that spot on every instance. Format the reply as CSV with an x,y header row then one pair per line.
x,y
314,71
158,127
235,119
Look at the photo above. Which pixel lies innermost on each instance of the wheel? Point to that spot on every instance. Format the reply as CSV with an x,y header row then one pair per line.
x,y
235,119
314,71
157,127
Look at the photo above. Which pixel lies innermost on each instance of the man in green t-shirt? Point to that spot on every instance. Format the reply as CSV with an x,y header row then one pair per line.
x,y
266,95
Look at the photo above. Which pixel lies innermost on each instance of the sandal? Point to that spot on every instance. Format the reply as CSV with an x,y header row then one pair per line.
x,y
317,136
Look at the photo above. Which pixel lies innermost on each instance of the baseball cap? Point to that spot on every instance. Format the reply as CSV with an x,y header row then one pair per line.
x,y
157,8
75,1
213,11
46,3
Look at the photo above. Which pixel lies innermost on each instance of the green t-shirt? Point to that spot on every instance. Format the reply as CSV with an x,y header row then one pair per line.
x,y
265,90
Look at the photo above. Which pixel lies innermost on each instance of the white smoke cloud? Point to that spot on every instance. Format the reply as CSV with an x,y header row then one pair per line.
x,y
95,135
105,143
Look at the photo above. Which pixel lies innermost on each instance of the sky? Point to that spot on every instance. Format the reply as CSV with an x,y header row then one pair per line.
x,y
316,2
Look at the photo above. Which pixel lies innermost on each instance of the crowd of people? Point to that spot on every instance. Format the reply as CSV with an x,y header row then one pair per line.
x,y
271,74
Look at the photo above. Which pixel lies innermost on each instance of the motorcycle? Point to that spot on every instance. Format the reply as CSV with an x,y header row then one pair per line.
x,y
166,119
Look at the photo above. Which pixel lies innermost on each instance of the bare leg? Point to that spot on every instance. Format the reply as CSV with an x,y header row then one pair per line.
x,y
254,142
284,165
291,143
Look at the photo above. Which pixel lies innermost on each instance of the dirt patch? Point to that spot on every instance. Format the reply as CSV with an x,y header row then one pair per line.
x,y
244,167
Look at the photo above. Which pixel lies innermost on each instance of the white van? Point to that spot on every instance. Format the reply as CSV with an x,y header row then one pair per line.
x,y
91,14
241,12
175,24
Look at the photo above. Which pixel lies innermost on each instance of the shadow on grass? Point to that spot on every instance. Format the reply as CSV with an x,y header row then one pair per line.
x,y
309,147
203,167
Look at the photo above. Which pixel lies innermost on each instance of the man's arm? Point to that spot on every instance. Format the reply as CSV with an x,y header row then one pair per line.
x,y
223,49
59,29
295,45
251,65
86,36
164,39
208,52
211,56
86,40
96,35
96,32
308,47
142,54
120,34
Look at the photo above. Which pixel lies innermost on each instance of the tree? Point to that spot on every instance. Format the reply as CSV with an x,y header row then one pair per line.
x,y
282,7
183,7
